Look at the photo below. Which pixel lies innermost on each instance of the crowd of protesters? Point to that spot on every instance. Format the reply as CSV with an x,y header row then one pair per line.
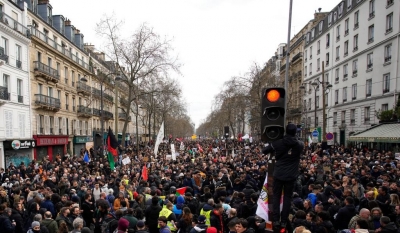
x,y
340,189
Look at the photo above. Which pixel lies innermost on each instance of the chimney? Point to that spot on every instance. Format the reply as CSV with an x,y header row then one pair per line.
x,y
78,31
88,46
319,9
40,2
67,22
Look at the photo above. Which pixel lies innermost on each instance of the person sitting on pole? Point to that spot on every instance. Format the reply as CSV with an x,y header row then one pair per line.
x,y
287,155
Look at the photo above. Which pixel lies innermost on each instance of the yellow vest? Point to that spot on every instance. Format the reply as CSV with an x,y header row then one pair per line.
x,y
207,214
166,212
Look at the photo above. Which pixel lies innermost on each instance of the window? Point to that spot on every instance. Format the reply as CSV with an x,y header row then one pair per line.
x,y
318,64
389,23
4,49
356,16
388,53
338,32
18,52
368,86
355,43
316,121
335,118
389,3
310,52
346,27
58,68
336,96
343,117
340,9
66,102
305,54
370,60
344,94
337,53
354,91
318,46
73,78
40,89
371,34
309,104
334,16
385,107
320,26
20,91
355,67
305,71
66,74
346,48
352,116
312,33
329,19
6,81
317,101
326,99
386,83
327,59
349,4
337,75
371,9
345,67
50,91
367,114
59,94
327,40
310,68
49,62
39,57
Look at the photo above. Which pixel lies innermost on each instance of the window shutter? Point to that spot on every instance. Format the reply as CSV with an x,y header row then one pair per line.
x,y
78,128
64,128
8,120
89,128
21,125
47,125
56,125
74,127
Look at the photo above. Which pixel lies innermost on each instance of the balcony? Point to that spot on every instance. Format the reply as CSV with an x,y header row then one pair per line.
x,y
96,112
370,40
297,56
84,111
20,99
295,110
42,37
369,66
96,92
83,88
46,72
283,67
122,116
371,15
107,115
352,121
346,32
18,64
14,24
388,59
367,120
108,97
356,25
355,48
386,90
47,102
4,95
3,56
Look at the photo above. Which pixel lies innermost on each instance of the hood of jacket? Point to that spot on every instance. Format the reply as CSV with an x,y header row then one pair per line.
x,y
200,227
207,207
290,140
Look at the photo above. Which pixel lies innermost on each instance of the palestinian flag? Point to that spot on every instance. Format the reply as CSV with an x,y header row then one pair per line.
x,y
180,191
112,145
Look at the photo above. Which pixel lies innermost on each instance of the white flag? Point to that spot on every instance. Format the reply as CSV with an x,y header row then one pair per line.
x,y
173,152
160,137
309,140
263,200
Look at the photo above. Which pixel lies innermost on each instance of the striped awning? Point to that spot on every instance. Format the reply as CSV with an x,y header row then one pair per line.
x,y
387,133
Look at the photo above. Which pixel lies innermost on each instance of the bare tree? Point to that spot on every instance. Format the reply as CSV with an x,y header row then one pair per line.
x,y
139,56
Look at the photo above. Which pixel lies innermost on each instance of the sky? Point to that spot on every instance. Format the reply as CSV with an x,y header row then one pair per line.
x,y
213,39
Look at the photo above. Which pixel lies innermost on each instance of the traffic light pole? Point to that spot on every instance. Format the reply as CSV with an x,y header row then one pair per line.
x,y
288,60
323,104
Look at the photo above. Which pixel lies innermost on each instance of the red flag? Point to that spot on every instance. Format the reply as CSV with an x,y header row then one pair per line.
x,y
145,176
200,149
180,191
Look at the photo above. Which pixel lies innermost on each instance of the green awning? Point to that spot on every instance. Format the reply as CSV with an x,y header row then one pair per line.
x,y
389,133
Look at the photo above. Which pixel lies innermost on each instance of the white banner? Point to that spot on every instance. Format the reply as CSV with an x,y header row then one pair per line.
x,y
160,137
173,152
263,200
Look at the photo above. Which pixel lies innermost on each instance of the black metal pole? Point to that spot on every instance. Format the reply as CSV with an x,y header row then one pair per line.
x,y
137,130
101,119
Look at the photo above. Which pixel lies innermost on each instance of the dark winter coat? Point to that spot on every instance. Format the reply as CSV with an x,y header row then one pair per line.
x,y
344,216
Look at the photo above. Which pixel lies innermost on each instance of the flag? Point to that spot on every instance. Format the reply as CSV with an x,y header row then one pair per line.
x,y
173,155
145,176
200,149
180,191
309,140
263,201
86,158
160,137
112,145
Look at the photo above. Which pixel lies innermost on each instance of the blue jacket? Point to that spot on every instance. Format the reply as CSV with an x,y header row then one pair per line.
x,y
313,198
5,224
47,204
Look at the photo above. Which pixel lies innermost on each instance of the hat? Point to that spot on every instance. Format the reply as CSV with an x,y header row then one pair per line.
x,y
379,181
291,129
140,224
123,224
75,199
85,230
188,194
201,219
35,224
211,230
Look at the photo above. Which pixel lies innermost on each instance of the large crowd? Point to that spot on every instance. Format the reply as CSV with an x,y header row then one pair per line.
x,y
339,189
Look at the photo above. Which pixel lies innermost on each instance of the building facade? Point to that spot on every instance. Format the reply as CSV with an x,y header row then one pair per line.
x,y
15,132
358,41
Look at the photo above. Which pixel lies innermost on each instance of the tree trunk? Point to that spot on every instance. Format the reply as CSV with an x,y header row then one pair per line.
x,y
128,110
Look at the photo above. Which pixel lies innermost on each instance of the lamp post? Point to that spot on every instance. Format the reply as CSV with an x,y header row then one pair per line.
x,y
325,89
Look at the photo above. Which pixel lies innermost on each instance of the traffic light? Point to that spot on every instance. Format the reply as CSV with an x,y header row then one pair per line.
x,y
272,114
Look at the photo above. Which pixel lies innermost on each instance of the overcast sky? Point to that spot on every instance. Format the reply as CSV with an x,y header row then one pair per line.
x,y
214,39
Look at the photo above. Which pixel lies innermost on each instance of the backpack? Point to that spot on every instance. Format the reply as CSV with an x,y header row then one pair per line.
x,y
108,224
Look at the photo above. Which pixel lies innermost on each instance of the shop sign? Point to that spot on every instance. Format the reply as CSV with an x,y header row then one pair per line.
x,y
51,141
82,140
17,144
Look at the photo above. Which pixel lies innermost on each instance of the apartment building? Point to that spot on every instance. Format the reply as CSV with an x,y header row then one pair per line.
x,y
15,131
359,43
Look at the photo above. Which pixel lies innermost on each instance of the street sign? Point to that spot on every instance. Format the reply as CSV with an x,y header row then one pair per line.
x,y
315,140
315,133
329,136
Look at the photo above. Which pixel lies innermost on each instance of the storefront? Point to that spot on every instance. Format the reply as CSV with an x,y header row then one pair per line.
x,y
17,151
127,138
49,145
82,142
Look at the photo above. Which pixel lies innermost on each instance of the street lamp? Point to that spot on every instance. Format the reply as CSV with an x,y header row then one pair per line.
x,y
326,86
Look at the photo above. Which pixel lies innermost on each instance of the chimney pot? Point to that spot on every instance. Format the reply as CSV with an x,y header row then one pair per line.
x,y
319,9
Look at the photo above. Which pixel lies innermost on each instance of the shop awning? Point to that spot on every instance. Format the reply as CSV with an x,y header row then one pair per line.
x,y
387,133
